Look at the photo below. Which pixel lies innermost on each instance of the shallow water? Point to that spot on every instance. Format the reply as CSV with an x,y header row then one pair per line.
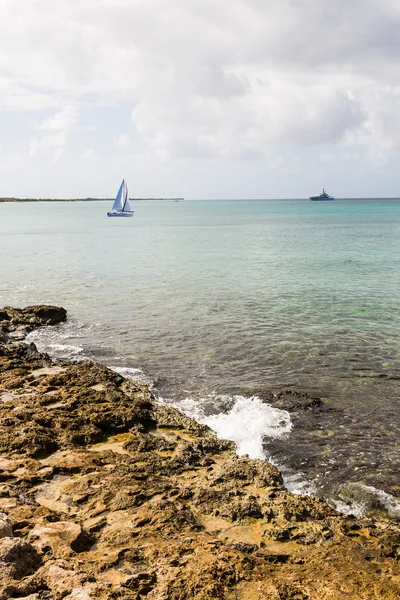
x,y
226,299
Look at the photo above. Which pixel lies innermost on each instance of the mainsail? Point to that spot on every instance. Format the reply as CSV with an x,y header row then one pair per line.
x,y
119,200
126,205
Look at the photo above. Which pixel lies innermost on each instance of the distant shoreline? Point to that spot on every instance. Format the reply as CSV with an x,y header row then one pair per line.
x,y
5,199
82,199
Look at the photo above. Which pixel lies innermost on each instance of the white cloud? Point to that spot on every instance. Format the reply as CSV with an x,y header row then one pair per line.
x,y
233,79
50,145
123,142
54,142
63,120
88,154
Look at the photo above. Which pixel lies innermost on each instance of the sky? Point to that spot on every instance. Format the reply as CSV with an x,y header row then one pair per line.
x,y
199,98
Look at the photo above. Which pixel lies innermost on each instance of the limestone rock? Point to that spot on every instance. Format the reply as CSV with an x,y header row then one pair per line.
x,y
5,526
59,536
60,578
17,558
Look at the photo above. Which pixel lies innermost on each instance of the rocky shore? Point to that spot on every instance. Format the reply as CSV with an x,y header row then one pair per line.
x,y
106,494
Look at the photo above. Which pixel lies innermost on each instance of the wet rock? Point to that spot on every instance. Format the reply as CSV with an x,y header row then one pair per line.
x,y
368,500
83,415
15,323
248,471
291,400
32,316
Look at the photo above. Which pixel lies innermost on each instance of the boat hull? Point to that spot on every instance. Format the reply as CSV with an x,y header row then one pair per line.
x,y
317,199
120,214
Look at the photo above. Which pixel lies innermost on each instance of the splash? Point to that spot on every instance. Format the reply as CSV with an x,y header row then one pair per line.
x,y
132,373
245,422
359,499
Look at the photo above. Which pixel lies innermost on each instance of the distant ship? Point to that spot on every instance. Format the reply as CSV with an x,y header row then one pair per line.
x,y
322,196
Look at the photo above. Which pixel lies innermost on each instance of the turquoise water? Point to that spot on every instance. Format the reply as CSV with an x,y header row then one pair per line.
x,y
234,298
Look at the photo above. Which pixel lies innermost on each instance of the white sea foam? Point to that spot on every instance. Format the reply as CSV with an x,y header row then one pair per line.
x,y
132,373
357,499
245,422
65,349
297,483
56,340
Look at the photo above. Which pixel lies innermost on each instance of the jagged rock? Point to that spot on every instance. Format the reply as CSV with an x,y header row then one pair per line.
x,y
5,526
59,536
60,578
32,316
17,559
88,592
15,323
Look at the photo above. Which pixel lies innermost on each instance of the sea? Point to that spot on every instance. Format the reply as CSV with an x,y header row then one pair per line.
x,y
219,304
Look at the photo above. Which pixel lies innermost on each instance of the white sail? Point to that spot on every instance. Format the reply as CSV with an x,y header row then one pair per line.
x,y
126,206
119,200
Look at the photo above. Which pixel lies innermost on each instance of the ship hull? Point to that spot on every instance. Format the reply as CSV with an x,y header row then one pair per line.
x,y
316,199
120,214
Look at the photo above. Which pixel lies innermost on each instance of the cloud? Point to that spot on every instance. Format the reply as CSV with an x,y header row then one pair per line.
x,y
88,154
123,142
62,120
236,79
58,126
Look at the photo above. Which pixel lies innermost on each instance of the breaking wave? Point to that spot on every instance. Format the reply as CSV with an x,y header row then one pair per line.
x,y
246,421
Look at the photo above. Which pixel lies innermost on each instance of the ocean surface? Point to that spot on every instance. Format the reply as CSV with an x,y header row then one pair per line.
x,y
216,303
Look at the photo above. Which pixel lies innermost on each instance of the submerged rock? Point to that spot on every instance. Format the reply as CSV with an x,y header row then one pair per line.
x,y
112,496
291,400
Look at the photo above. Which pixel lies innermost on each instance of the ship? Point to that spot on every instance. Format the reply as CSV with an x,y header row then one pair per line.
x,y
322,196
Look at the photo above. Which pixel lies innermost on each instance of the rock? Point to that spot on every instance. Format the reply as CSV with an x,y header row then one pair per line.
x,y
291,400
59,536
89,592
142,583
368,500
33,316
5,526
60,578
15,323
17,558
16,336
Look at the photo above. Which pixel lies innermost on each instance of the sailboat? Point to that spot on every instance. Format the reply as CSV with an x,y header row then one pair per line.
x,y
121,206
